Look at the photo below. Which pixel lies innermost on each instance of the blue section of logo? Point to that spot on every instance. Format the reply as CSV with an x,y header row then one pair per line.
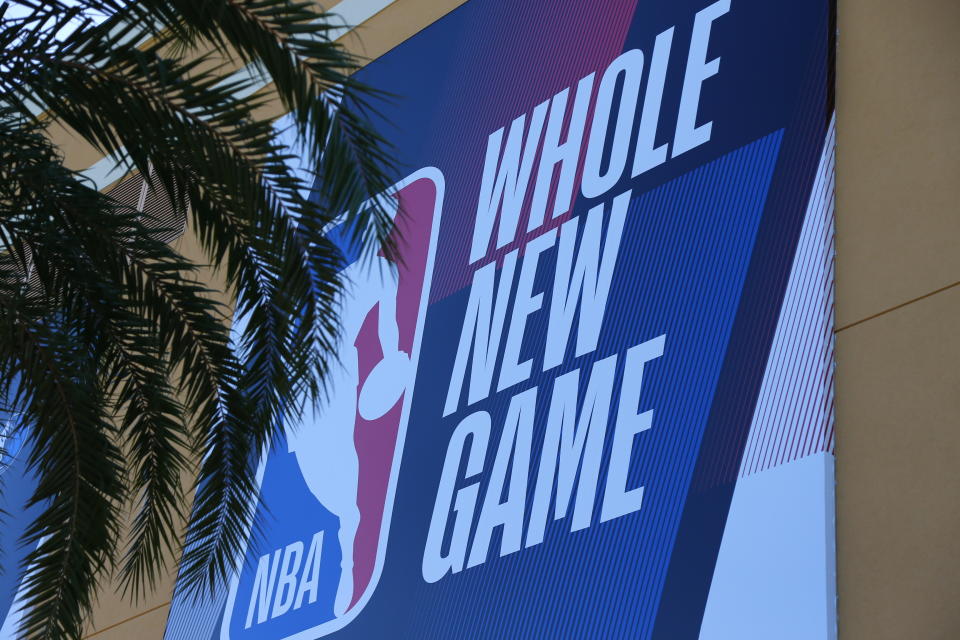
x,y
16,486
290,514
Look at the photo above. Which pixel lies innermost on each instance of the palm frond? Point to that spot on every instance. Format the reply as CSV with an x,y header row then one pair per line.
x,y
124,369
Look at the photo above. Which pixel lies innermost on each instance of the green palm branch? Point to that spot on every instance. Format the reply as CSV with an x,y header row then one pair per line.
x,y
117,359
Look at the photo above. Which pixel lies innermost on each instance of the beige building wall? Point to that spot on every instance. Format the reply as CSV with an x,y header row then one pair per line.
x,y
897,317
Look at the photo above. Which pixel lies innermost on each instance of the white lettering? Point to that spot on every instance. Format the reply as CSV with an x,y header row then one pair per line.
x,y
513,452
482,329
505,181
310,580
287,582
617,500
646,157
689,135
595,182
572,443
262,588
512,371
566,154
586,283
435,564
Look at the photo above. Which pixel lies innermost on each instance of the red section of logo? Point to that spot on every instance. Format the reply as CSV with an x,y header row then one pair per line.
x,y
376,440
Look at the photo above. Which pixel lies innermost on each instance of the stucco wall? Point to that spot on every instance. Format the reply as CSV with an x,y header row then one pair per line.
x,y
897,315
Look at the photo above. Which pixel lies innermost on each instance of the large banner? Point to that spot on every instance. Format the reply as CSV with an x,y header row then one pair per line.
x,y
595,398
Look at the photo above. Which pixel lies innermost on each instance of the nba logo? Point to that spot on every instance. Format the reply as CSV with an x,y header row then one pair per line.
x,y
326,492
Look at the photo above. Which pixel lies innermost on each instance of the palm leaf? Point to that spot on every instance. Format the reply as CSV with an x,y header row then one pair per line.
x,y
119,360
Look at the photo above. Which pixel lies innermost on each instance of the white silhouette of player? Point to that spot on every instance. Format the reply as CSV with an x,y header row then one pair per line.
x,y
324,446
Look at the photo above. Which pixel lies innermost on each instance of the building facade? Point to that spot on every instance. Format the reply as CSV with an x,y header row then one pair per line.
x,y
897,132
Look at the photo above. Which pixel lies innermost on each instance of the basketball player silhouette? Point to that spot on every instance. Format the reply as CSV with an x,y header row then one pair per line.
x,y
324,445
